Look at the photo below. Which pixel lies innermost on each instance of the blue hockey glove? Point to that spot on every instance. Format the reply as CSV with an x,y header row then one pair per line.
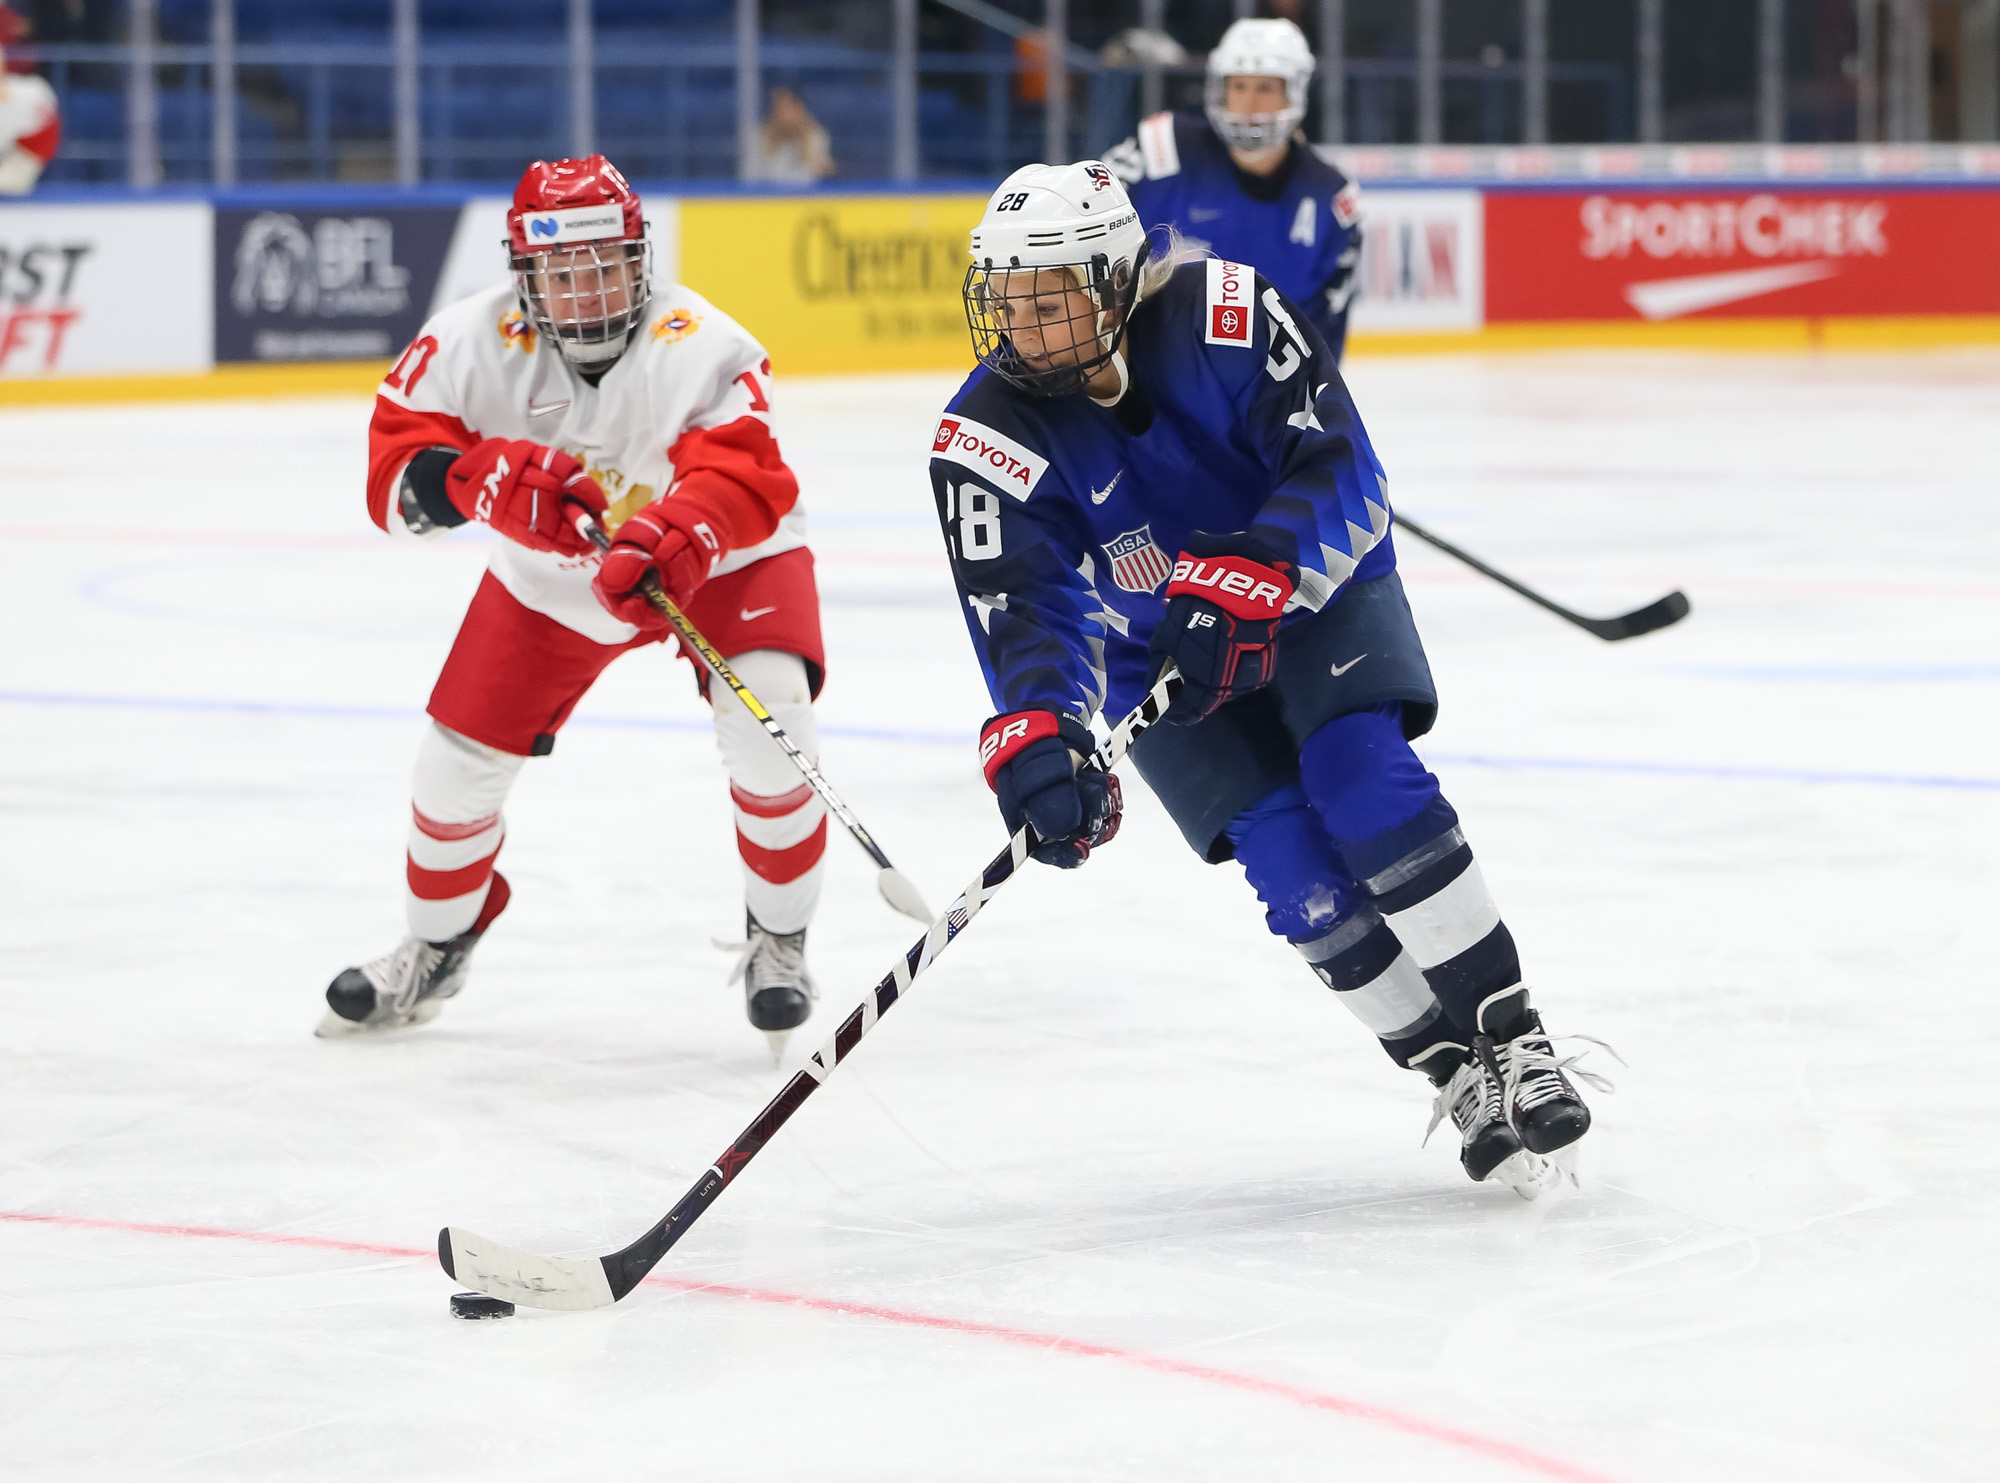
x,y
1030,759
1221,625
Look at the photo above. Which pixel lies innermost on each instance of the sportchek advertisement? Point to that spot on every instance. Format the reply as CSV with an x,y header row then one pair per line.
x,y
837,283
1677,254
312,285
104,288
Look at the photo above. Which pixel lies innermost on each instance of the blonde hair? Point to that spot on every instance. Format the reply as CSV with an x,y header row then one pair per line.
x,y
1176,253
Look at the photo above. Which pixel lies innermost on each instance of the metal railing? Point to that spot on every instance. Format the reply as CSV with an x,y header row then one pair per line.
x,y
326,111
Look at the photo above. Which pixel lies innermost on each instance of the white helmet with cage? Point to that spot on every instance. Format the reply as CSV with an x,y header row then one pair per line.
x,y
1248,48
1071,225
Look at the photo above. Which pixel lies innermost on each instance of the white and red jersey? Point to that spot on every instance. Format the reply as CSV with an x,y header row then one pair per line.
x,y
685,413
28,117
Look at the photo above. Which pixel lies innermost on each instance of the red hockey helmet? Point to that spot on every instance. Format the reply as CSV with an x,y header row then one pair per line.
x,y
14,28
582,265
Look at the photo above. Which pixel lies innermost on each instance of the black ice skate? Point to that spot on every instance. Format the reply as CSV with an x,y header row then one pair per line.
x,y
1541,1102
408,986
1470,1095
777,990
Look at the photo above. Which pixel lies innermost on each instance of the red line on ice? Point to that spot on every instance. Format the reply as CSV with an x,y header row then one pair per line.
x,y
1491,1448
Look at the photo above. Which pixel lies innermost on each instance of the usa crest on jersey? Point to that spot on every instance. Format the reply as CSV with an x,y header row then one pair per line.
x,y
1137,564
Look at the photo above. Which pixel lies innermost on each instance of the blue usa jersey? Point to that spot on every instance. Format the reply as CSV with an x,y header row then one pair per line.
x,y
1063,517
1300,227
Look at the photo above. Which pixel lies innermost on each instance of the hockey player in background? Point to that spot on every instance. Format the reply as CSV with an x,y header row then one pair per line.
x,y
585,385
30,127
1156,462
1244,180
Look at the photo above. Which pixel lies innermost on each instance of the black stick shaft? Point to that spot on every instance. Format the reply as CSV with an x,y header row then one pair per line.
x,y
1669,609
625,1269
1404,522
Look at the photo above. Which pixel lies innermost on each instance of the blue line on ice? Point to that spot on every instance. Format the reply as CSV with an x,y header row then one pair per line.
x,y
1718,771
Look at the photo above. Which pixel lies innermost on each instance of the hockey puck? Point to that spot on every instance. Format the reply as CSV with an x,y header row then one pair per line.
x,y
478,1305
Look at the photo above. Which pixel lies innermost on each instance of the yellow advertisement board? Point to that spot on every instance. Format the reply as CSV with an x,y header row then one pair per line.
x,y
834,284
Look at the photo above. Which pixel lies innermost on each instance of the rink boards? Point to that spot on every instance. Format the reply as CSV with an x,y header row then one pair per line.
x,y
330,284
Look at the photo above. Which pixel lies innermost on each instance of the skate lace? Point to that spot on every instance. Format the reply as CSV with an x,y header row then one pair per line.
x,y
401,975
1461,1099
767,959
1534,1073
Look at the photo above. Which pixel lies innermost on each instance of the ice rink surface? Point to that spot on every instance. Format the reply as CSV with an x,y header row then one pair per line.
x,y
1120,1192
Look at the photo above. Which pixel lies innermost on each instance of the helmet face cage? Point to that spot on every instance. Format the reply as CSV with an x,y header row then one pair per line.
x,y
586,296
1073,348
1254,131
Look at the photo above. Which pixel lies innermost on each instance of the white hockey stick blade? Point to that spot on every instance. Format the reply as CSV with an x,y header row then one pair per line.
x,y
899,893
501,1271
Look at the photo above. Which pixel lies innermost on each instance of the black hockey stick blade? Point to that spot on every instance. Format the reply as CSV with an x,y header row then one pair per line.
x,y
1667,611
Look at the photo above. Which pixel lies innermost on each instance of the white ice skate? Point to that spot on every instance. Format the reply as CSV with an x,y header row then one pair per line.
x,y
407,986
777,990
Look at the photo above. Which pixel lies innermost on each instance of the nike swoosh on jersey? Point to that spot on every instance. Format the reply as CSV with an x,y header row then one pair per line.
x,y
747,614
1099,496
546,407
1341,669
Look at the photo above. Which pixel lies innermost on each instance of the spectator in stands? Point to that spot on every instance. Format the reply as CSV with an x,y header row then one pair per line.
x,y
29,127
792,147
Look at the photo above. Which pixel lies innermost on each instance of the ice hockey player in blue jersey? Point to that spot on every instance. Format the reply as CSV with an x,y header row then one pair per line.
x,y
1156,462
1244,180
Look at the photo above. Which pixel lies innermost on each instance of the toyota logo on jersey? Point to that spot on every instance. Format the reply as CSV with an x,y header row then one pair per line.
x,y
995,455
1229,288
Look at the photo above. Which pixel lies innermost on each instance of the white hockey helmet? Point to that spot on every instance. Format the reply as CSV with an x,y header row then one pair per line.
x,y
1074,220
1259,49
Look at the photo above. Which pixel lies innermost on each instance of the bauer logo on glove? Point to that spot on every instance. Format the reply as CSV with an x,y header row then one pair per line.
x,y
1030,759
1221,623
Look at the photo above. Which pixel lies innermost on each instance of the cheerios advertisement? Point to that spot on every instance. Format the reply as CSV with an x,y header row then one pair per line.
x,y
838,283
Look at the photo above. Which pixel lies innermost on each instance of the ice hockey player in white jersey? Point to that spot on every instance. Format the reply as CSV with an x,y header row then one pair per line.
x,y
1243,180
586,385
30,128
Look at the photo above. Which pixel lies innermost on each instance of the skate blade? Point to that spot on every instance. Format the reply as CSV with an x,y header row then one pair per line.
x,y
777,1040
334,1027
1528,1175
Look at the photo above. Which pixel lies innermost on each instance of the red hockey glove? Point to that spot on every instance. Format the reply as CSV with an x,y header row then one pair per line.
x,y
671,544
526,492
1220,627
1030,759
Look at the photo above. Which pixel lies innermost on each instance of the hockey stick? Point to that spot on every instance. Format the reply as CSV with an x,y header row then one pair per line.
x,y
593,1282
895,886
1668,610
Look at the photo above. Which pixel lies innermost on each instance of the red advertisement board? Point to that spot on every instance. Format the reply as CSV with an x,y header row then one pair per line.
x,y
1677,254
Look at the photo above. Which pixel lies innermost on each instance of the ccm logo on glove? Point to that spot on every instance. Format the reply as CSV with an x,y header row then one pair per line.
x,y
521,490
1243,588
